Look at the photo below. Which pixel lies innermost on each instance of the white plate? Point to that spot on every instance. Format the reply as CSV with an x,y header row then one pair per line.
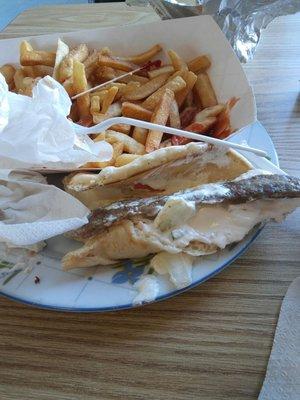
x,y
110,288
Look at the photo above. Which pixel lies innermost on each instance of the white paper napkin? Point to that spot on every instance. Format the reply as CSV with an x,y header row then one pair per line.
x,y
32,211
35,131
282,380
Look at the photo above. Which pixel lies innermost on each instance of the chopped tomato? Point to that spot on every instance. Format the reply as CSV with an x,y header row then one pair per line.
x,y
142,186
179,140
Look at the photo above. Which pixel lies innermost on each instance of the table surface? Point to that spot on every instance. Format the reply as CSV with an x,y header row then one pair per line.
x,y
210,343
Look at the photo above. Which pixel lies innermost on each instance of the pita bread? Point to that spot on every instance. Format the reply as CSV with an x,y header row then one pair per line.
x,y
164,171
126,240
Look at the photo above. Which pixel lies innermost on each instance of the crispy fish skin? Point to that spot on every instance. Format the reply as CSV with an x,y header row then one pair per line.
x,y
235,192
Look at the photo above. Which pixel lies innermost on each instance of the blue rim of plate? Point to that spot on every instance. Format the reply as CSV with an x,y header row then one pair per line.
x,y
248,135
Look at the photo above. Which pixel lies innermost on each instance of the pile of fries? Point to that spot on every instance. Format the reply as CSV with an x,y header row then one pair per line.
x,y
177,94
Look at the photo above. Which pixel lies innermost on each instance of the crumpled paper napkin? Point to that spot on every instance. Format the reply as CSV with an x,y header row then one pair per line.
x,y
36,133
282,380
32,211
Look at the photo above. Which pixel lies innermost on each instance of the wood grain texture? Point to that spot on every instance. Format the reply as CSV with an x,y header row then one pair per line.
x,y
66,18
211,343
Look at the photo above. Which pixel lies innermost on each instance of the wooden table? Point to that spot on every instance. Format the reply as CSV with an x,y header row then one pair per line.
x,y
211,343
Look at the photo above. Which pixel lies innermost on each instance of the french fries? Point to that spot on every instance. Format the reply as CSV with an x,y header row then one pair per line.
x,y
79,53
177,61
80,85
148,88
167,69
175,85
109,98
190,79
130,87
8,71
31,57
99,137
38,71
174,115
179,94
209,112
18,79
117,151
124,159
23,84
104,74
101,94
140,135
106,61
160,116
68,85
28,84
106,51
142,58
205,91
176,74
123,128
95,105
189,100
130,78
136,111
98,117
90,64
121,90
114,110
199,64
61,52
130,145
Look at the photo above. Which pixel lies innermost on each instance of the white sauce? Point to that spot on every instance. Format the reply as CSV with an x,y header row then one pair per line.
x,y
175,212
213,189
222,225
219,225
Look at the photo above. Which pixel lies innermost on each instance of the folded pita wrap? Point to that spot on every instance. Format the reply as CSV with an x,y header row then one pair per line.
x,y
163,171
195,221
